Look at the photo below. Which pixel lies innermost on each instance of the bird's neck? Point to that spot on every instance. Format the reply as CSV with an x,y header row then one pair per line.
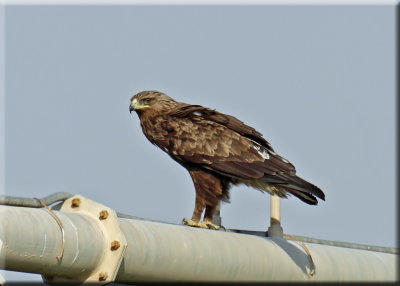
x,y
147,115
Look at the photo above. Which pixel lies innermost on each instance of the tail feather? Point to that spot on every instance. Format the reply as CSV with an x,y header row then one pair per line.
x,y
302,185
298,187
305,197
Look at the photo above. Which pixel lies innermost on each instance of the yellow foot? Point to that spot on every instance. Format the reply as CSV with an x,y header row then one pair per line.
x,y
201,224
211,225
193,223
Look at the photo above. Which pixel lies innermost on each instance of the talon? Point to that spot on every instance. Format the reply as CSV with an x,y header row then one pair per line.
x,y
210,225
200,224
193,223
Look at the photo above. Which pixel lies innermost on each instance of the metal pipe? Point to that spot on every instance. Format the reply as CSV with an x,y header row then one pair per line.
x,y
390,250
187,254
32,240
166,252
34,203
275,228
2,281
62,196
275,209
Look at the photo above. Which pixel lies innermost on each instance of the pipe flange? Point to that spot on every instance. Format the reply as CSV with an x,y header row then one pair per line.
x,y
114,240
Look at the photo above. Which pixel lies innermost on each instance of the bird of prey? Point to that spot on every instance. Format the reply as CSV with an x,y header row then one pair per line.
x,y
218,151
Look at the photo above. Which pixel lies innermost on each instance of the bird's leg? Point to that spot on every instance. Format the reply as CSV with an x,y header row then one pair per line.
x,y
208,216
198,210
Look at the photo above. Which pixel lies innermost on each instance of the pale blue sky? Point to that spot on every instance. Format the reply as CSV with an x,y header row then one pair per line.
x,y
317,81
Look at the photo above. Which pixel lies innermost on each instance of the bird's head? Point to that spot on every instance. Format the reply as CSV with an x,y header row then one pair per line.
x,y
150,100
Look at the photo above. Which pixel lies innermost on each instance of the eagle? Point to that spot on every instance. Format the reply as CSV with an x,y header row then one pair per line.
x,y
218,151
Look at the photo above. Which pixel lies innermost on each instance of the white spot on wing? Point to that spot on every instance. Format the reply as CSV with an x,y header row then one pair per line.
x,y
262,151
198,113
264,154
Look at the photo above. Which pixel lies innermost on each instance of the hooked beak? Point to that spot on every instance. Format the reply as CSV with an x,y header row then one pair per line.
x,y
135,105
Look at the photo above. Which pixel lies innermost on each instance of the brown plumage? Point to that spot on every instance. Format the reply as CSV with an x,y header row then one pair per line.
x,y
218,150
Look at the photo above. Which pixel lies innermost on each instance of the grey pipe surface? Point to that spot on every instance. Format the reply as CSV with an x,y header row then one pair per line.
x,y
165,252
390,250
62,196
32,240
180,253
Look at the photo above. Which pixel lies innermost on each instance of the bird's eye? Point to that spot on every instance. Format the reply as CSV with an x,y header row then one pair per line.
x,y
146,100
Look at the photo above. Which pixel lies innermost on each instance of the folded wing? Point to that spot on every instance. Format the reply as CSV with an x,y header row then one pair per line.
x,y
223,144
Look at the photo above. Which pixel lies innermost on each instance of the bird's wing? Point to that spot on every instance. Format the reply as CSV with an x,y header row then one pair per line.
x,y
224,144
232,123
